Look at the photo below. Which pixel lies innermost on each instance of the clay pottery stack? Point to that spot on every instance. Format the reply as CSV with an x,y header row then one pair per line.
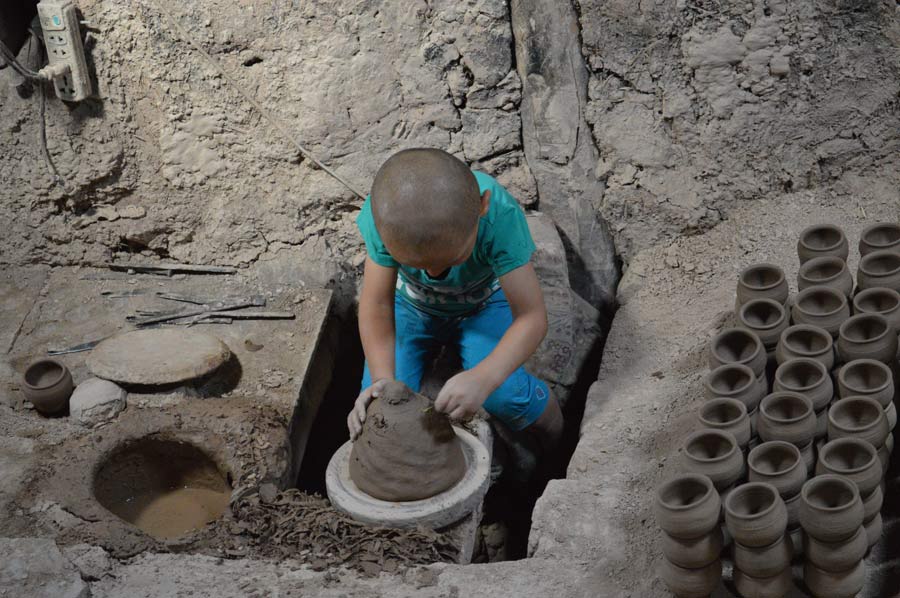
x,y
822,240
756,518
803,340
831,514
869,378
809,378
727,415
858,461
735,381
780,465
879,269
880,237
766,318
47,384
867,336
879,300
824,307
716,455
827,272
688,510
741,346
863,418
761,281
789,416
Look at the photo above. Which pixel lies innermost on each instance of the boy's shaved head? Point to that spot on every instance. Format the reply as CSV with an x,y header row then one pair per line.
x,y
425,200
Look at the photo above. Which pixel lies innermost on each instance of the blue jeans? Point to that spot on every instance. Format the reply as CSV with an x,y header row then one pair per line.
x,y
518,402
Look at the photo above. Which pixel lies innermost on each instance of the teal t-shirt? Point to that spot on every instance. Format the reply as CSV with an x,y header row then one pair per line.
x,y
504,243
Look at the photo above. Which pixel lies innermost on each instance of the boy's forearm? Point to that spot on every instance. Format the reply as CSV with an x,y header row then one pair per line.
x,y
376,331
519,343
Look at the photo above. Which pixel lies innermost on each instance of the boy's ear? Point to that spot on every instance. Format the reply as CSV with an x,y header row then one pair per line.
x,y
485,202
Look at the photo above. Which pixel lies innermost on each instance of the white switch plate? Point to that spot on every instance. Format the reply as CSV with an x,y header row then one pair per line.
x,y
62,37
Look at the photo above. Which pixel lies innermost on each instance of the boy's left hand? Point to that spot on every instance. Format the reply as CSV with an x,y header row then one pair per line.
x,y
462,396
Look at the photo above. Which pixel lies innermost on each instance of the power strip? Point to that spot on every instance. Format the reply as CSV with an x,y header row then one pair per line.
x,y
62,36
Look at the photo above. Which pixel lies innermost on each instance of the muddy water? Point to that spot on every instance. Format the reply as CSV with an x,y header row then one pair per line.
x,y
176,512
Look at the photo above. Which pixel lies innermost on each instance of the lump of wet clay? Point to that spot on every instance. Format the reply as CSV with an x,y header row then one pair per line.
x,y
406,451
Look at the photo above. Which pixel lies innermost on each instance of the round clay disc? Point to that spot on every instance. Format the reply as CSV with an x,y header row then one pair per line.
x,y
436,512
158,356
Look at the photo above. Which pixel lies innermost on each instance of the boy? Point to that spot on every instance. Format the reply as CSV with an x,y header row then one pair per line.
x,y
449,262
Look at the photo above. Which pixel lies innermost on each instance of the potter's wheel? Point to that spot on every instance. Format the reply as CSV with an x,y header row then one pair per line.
x,y
436,512
157,356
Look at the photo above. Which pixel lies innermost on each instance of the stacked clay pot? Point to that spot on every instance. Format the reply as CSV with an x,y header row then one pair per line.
x,y
831,514
739,346
827,271
727,415
883,236
780,465
716,455
790,417
756,517
863,418
739,382
688,510
869,378
805,341
867,336
879,269
824,307
822,240
810,378
766,318
761,281
879,300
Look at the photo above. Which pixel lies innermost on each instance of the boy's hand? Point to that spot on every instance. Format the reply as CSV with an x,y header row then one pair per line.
x,y
358,414
462,395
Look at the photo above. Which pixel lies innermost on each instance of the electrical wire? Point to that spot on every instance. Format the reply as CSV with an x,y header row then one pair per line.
x,y
17,66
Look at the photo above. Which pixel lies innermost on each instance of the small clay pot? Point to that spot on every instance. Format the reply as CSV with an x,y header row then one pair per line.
x,y
822,240
695,553
837,556
727,415
824,307
755,514
867,336
762,281
830,508
855,459
827,272
734,381
872,504
879,300
803,340
776,586
879,269
879,237
763,561
47,384
866,378
874,528
787,416
687,507
858,417
738,345
764,317
714,454
890,412
691,583
807,377
841,584
778,463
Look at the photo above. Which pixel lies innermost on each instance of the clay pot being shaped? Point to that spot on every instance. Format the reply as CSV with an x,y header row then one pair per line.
x,y
714,454
837,556
807,377
803,340
734,381
874,528
879,300
776,586
882,236
853,458
787,416
824,307
738,345
879,269
867,336
694,553
866,378
827,272
755,514
765,318
687,507
727,415
841,584
691,583
764,561
779,464
762,281
47,384
830,508
858,417
822,240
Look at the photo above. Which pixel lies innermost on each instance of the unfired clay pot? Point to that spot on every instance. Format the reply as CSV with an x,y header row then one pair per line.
x,y
765,318
880,237
837,556
872,504
734,381
879,300
866,378
777,586
787,416
821,424
890,412
694,553
824,307
822,240
874,528
879,269
755,514
867,336
803,340
714,454
842,584
762,281
808,454
47,384
691,583
792,505
778,463
858,417
831,509
738,345
807,377
687,507
764,561
827,272
727,415
853,458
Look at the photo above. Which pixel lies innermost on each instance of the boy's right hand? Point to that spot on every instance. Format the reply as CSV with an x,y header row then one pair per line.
x,y
358,414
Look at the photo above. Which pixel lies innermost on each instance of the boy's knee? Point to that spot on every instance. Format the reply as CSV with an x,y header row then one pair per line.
x,y
519,401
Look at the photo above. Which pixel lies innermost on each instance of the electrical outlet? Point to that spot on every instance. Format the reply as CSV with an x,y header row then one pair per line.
x,y
62,37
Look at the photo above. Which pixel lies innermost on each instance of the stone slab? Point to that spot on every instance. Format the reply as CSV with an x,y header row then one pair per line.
x,y
35,568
